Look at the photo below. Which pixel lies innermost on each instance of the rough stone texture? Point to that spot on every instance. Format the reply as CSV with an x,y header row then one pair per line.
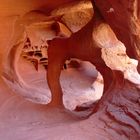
x,y
117,114
123,105
123,17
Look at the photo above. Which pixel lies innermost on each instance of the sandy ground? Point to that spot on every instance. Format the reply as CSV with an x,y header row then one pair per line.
x,y
21,119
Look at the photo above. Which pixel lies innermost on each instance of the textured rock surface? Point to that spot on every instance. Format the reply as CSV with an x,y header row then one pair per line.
x,y
123,16
116,116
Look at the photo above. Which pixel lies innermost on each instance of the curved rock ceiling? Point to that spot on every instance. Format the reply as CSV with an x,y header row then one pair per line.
x,y
80,59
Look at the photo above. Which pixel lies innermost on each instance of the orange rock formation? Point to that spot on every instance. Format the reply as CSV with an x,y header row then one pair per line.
x,y
105,91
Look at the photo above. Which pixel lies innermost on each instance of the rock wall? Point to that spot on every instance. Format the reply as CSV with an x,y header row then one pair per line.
x,y
123,17
107,36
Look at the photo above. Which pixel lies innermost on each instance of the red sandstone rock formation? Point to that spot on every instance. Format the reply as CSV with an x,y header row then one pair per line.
x,y
123,17
117,115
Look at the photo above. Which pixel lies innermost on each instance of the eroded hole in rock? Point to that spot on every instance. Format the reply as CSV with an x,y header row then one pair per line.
x,y
81,83
117,115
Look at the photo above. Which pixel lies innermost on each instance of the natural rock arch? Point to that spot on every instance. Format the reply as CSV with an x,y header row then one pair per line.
x,y
118,110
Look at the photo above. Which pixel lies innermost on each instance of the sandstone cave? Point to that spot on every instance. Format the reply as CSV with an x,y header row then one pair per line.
x,y
70,70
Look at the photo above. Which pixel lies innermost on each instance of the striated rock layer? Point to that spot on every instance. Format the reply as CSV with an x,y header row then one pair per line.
x,y
121,101
107,36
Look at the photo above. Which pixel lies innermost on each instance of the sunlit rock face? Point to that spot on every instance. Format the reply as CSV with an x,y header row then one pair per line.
x,y
99,46
123,16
